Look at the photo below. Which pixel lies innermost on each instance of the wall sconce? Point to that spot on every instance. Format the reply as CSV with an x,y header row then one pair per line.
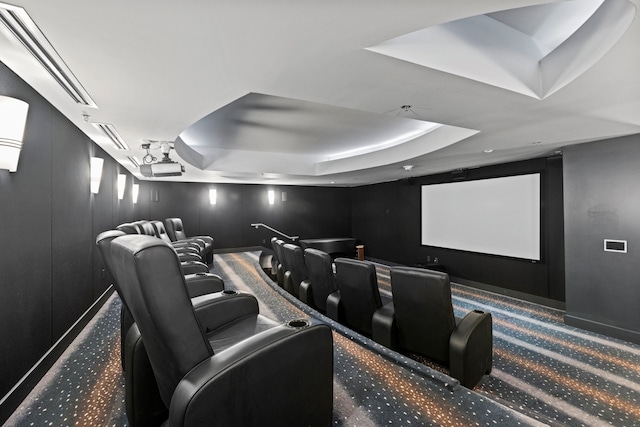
x,y
135,189
122,182
272,196
96,174
13,118
213,196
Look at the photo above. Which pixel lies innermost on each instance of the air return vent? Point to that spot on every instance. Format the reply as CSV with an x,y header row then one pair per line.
x,y
21,27
110,132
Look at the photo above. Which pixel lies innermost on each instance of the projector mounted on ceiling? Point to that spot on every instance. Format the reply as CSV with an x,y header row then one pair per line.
x,y
162,168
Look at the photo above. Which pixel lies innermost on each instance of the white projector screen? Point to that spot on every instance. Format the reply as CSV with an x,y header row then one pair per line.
x,y
499,216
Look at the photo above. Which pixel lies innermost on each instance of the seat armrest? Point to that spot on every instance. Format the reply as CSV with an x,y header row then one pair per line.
x,y
383,326
203,283
218,388
193,267
216,310
471,348
334,307
184,246
306,293
189,257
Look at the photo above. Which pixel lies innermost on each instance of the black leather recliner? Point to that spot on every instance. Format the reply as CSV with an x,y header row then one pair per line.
x,y
357,297
296,268
321,282
208,374
422,321
143,404
175,230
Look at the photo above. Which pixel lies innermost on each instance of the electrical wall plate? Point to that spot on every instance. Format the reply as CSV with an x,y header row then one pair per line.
x,y
615,246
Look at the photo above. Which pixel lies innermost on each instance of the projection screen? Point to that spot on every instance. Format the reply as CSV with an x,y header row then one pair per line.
x,y
499,216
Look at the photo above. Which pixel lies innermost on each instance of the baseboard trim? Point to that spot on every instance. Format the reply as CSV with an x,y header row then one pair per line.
x,y
602,328
12,400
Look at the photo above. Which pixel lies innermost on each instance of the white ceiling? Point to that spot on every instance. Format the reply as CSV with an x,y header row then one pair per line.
x,y
312,92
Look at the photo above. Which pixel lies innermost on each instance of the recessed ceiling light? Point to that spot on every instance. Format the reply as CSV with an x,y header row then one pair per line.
x,y
407,167
488,150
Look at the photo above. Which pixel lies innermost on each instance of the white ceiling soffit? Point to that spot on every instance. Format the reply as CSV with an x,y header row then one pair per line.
x,y
287,136
24,43
534,50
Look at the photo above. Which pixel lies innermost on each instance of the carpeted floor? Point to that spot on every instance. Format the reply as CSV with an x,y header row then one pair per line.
x,y
545,373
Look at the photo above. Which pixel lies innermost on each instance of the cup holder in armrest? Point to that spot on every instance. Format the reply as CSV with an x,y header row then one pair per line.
x,y
298,323
201,274
229,292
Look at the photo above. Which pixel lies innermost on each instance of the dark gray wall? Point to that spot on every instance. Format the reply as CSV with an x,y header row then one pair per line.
x,y
386,219
49,272
306,211
602,201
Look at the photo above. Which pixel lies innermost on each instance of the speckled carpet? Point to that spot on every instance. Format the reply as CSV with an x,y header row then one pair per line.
x,y
545,373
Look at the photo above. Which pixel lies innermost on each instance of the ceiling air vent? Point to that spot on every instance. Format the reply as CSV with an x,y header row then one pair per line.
x,y
20,25
110,131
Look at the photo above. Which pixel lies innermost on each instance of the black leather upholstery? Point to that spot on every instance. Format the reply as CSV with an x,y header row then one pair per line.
x,y
357,297
281,269
255,381
188,252
143,408
175,230
296,268
321,282
422,321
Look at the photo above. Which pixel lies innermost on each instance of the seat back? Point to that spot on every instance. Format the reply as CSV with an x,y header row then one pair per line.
x,y
175,229
277,248
154,289
323,281
103,242
359,295
160,231
423,311
295,263
128,228
146,228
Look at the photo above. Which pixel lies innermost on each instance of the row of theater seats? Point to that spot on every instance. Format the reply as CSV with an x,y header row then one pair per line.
x,y
194,248
195,353
419,319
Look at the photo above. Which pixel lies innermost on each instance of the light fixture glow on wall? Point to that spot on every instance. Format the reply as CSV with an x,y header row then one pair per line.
x,y
122,182
96,174
135,189
13,118
272,196
213,196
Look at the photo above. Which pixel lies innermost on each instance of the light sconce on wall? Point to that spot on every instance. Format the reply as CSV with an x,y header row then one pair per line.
x,y
13,118
213,196
96,174
135,189
272,196
122,182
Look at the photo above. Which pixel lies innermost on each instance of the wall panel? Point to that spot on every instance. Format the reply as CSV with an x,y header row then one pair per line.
x,y
602,201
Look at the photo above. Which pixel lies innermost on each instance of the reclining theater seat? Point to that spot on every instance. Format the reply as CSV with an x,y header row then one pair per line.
x,y
357,297
296,268
321,282
175,230
143,404
424,323
228,385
